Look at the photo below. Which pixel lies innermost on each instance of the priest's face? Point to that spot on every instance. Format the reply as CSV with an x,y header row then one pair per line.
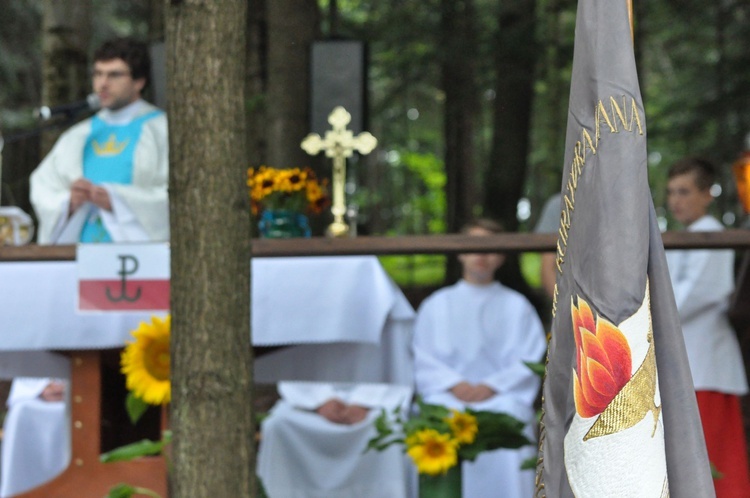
x,y
479,268
114,84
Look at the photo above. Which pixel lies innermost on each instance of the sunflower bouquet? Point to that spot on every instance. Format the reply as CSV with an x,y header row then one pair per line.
x,y
437,439
292,189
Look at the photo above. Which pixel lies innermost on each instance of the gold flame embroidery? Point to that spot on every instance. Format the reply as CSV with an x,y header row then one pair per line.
x,y
602,358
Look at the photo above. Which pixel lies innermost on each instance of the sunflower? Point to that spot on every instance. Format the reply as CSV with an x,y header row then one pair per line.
x,y
266,181
433,452
463,426
292,180
145,362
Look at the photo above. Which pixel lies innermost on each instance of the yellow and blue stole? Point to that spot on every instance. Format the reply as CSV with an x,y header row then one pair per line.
x,y
108,158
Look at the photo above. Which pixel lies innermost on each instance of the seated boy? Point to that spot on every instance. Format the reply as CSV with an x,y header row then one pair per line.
x,y
470,344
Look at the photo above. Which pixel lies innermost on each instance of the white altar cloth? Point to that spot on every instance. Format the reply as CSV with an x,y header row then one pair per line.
x,y
352,321
348,300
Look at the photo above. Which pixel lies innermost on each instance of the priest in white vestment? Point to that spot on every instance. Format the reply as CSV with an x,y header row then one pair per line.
x,y
470,344
105,180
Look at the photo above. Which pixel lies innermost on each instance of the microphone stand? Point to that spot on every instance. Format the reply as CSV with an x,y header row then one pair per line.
x,y
38,130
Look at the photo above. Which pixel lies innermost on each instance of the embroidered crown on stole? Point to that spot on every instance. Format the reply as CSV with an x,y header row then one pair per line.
x,y
111,147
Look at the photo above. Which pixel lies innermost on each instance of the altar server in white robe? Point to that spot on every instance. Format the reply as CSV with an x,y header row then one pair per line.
x,y
314,440
36,439
703,281
105,180
470,344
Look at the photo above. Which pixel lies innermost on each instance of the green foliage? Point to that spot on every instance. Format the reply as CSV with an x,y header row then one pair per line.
x,y
135,407
495,430
127,491
537,368
142,448
419,270
531,263
145,447
530,463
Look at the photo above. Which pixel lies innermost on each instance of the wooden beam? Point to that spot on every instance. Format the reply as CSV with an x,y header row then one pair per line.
x,y
418,244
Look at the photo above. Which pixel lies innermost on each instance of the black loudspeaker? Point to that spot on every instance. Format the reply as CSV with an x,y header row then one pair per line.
x,y
338,78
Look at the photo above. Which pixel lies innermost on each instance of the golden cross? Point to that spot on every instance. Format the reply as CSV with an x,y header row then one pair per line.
x,y
339,144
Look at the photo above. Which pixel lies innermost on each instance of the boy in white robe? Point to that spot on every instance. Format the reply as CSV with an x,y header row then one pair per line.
x,y
703,281
470,344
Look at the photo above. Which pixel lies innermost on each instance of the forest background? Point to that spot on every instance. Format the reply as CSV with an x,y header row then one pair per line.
x,y
468,98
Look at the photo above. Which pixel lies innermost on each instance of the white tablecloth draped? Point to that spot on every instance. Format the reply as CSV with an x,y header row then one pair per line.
x,y
349,304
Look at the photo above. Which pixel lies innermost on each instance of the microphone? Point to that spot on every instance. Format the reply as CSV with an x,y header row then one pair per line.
x,y
90,104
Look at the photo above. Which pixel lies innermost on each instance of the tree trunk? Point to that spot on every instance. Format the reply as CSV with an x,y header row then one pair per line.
x,y
551,104
458,67
292,26
506,172
257,81
458,75
212,416
514,72
66,28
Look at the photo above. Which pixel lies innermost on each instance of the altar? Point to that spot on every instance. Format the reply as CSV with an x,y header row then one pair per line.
x,y
336,319
347,303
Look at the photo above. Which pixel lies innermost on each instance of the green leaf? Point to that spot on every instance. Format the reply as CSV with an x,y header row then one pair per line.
x,y
529,463
130,451
496,430
121,491
136,407
537,368
126,491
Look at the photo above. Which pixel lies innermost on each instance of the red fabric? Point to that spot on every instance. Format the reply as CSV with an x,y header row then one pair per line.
x,y
721,417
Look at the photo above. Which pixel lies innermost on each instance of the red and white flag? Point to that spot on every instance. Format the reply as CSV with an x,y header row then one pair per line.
x,y
123,277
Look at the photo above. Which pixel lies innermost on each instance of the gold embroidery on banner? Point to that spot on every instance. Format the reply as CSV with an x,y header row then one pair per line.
x,y
633,402
588,143
111,147
554,304
617,112
569,200
579,154
665,488
634,116
539,491
635,399
601,112
579,161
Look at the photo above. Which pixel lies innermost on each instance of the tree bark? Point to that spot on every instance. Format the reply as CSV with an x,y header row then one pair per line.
x,y
211,413
458,68
458,77
257,81
292,26
66,28
514,70
506,172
